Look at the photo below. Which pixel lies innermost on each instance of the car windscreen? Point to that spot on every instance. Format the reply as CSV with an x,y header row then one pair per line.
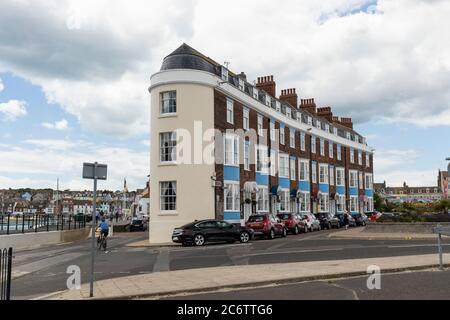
x,y
284,216
256,219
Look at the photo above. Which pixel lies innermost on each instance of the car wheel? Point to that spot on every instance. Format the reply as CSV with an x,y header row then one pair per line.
x,y
199,240
245,237
271,234
296,231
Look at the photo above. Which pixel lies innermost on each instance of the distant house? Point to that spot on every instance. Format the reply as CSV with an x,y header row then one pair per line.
x,y
27,196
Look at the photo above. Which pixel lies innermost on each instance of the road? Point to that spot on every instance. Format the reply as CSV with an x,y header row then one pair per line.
x,y
429,285
45,268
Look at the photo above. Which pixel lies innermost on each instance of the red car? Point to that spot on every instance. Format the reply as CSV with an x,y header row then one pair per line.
x,y
266,225
293,223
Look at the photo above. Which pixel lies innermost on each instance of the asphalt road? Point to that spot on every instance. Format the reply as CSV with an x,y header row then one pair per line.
x,y
429,285
46,267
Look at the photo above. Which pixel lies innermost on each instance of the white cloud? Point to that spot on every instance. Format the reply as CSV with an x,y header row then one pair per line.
x,y
2,86
40,160
58,125
95,58
13,109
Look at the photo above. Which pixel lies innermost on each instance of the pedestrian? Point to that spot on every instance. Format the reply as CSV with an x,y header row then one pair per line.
x,y
346,220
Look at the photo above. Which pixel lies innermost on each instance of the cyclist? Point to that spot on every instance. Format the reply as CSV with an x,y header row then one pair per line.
x,y
104,228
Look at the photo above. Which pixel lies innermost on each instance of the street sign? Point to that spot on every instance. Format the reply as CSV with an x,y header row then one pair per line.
x,y
89,171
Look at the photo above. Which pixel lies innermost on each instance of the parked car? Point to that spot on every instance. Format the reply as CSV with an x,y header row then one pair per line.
x,y
138,224
293,223
360,219
201,232
351,220
267,226
311,221
328,221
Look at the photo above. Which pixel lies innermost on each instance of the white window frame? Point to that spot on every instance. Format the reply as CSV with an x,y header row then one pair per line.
x,y
255,93
241,84
282,136
231,157
322,147
283,165
247,155
260,125
169,149
324,202
274,162
272,130
361,180
331,149
314,172
303,170
285,201
360,158
230,111
163,203
340,177
367,160
313,144
354,204
339,152
234,188
264,192
323,173
303,141
352,155
353,179
369,181
262,161
292,168
163,107
292,138
332,175
305,202
246,119
340,203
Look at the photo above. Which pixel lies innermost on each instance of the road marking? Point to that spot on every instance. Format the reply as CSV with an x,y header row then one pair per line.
x,y
353,292
416,246
293,251
162,263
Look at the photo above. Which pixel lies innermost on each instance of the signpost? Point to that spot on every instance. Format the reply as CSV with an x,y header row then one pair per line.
x,y
440,230
94,171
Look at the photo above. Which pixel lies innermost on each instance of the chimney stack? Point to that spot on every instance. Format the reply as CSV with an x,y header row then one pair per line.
x,y
308,105
290,96
325,113
243,76
347,122
267,84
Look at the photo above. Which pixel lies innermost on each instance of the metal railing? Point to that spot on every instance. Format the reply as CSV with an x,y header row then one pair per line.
x,y
25,223
5,273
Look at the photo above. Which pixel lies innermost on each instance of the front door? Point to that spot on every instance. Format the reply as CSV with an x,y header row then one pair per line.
x,y
247,211
333,207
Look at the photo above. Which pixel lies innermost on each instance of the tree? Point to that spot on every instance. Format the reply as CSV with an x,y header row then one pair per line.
x,y
442,206
378,202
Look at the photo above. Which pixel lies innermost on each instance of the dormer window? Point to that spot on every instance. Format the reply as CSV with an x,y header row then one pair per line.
x,y
310,121
268,100
348,135
241,84
335,131
278,106
289,112
318,124
327,127
255,93
224,74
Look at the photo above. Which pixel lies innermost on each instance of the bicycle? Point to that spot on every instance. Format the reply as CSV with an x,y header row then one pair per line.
x,y
101,242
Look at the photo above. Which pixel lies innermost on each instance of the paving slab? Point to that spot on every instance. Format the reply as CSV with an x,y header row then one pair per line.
x,y
212,279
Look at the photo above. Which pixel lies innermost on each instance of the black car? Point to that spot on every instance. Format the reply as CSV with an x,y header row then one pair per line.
x,y
200,232
328,221
138,225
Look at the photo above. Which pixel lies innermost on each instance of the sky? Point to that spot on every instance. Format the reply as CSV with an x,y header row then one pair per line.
x,y
74,77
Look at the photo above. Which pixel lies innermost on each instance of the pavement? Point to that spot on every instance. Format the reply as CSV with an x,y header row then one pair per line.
x,y
213,279
42,271
361,233
416,285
